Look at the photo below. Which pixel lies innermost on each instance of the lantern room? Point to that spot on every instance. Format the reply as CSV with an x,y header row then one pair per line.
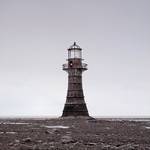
x,y
74,51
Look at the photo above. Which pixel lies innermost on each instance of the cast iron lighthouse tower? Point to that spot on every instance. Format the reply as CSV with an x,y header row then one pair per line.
x,y
75,104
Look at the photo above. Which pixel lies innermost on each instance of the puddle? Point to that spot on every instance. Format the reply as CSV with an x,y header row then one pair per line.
x,y
8,132
15,123
56,127
147,127
129,119
141,120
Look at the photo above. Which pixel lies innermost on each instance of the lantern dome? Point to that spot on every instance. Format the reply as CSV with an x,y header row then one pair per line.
x,y
74,46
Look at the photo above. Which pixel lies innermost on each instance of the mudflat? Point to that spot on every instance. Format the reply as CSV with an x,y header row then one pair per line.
x,y
74,134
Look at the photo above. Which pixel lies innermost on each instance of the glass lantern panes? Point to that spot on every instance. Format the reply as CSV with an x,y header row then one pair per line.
x,y
71,53
77,53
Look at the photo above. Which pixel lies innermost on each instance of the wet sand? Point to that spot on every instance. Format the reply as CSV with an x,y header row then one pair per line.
x,y
74,134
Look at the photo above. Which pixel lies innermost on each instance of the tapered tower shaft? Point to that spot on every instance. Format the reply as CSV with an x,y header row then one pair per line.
x,y
75,104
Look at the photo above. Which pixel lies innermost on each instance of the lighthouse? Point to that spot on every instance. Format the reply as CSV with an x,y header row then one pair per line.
x,y
75,104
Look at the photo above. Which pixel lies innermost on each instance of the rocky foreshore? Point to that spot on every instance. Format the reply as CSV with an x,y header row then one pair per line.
x,y
74,134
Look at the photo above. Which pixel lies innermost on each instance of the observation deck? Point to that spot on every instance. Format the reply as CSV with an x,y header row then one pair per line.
x,y
83,66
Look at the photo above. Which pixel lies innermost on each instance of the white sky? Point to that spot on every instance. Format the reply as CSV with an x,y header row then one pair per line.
x,y
114,36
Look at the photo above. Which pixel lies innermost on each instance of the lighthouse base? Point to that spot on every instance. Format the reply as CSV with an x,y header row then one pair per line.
x,y
75,110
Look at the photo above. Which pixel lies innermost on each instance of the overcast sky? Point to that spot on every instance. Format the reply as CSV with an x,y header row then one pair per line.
x,y
114,36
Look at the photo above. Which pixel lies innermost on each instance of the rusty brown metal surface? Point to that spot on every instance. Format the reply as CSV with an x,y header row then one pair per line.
x,y
75,104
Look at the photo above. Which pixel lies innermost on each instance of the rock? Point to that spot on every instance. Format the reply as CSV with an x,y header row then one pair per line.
x,y
17,141
27,140
26,147
45,144
51,143
66,139
91,144
11,144
126,147
107,146
39,141
68,133
56,131
35,147
11,148
47,132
